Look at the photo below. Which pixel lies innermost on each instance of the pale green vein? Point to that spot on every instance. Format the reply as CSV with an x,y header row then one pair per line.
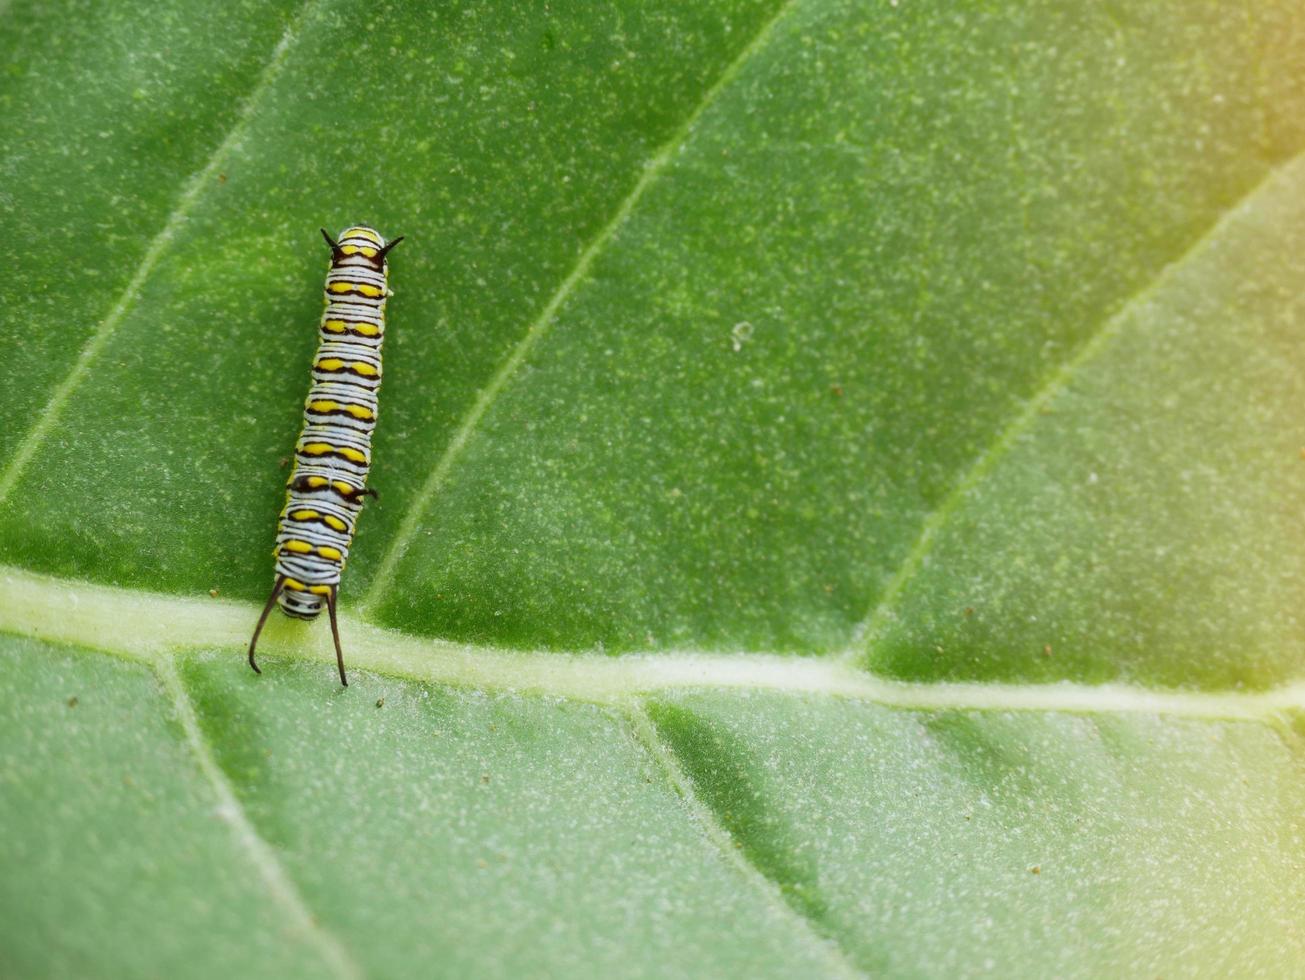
x,y
264,859
871,627
538,327
200,181
646,734
149,627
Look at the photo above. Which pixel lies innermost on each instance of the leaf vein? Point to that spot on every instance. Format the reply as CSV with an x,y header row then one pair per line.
x,y
540,325
645,734
100,337
260,853
877,619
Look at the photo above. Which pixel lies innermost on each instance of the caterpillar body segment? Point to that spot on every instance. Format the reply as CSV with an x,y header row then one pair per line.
x,y
325,491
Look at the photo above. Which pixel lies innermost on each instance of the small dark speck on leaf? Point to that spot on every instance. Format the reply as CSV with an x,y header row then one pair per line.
x,y
484,777
283,462
1046,650
73,701
969,611
837,390
222,178
380,702
1036,869
213,593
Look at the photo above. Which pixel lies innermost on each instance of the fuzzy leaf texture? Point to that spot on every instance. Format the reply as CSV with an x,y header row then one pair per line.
x,y
840,487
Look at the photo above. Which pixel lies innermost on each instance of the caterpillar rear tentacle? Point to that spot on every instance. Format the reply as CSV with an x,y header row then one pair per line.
x,y
325,491
335,634
276,591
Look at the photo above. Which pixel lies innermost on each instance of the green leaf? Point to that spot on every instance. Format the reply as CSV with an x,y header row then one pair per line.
x,y
839,482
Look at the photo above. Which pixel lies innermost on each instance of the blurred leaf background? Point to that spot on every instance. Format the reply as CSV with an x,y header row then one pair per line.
x,y
840,487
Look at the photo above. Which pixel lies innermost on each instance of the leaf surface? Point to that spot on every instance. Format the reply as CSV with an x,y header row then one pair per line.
x,y
839,486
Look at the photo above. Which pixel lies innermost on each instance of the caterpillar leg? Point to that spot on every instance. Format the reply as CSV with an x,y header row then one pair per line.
x,y
271,601
335,634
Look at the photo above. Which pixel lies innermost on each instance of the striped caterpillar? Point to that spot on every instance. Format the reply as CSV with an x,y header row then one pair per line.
x,y
329,480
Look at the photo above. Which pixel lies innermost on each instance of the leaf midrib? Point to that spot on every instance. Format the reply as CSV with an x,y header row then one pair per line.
x,y
150,627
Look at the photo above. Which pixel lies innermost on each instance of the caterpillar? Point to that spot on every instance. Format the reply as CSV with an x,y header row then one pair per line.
x,y
328,482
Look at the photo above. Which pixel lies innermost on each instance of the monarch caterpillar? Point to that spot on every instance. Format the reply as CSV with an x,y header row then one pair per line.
x,y
329,480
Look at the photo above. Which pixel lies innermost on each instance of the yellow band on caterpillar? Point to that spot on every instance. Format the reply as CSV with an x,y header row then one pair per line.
x,y
337,364
326,405
322,448
359,231
362,289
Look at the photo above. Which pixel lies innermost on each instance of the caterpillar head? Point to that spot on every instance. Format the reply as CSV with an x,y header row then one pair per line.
x,y
360,245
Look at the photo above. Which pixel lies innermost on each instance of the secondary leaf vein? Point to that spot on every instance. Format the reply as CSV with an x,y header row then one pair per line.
x,y
538,327
866,632
646,735
201,180
260,853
